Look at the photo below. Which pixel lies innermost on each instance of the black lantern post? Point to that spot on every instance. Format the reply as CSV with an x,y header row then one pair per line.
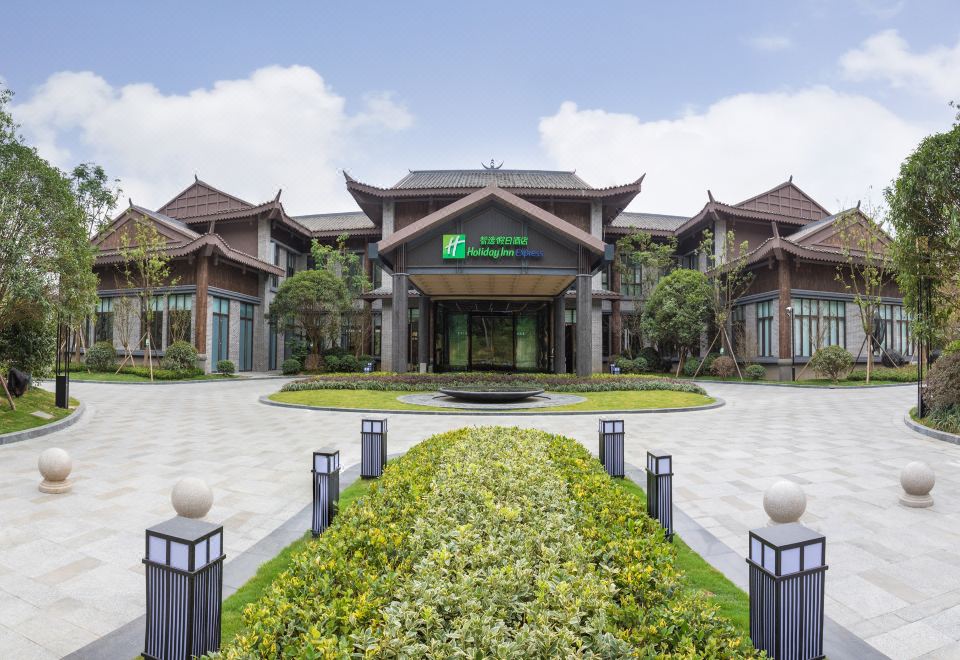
x,y
373,447
326,488
62,366
787,571
660,489
184,561
611,446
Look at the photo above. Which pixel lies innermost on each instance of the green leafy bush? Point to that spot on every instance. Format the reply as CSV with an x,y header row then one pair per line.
x,y
690,368
755,372
101,357
226,367
179,356
901,375
291,366
723,366
944,419
488,542
653,359
943,383
342,363
952,347
833,362
28,345
163,374
636,365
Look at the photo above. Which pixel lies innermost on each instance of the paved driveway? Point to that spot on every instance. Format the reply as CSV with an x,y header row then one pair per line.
x,y
70,566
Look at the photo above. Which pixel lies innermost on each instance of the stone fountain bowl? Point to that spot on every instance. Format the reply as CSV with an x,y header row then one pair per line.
x,y
491,395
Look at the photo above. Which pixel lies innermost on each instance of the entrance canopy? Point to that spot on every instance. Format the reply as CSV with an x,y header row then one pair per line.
x,y
491,243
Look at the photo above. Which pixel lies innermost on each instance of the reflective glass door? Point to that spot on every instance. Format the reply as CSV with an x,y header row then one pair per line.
x,y
491,341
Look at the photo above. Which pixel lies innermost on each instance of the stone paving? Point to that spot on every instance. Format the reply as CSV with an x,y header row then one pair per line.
x,y
70,567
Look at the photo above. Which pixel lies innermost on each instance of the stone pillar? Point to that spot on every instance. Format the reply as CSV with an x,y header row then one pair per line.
x,y
616,317
401,325
386,335
785,323
387,231
584,325
424,340
559,335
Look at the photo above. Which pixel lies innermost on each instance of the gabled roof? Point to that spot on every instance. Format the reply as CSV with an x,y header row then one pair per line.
x,y
215,245
272,209
176,230
657,224
200,198
788,200
547,179
330,224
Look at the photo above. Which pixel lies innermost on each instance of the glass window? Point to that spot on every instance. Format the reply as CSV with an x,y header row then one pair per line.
x,y
376,279
897,325
103,326
631,284
291,264
180,318
274,279
377,332
765,328
738,329
220,346
151,323
818,323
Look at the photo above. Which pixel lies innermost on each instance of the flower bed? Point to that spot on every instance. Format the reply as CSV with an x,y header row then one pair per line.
x,y
488,542
433,382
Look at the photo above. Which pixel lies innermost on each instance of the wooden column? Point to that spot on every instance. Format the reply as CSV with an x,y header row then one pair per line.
x,y
401,323
584,357
203,280
559,335
785,353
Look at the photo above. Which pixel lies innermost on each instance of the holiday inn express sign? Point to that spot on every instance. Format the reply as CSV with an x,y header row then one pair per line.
x,y
454,246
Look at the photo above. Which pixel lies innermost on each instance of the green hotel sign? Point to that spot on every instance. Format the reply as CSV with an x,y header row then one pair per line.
x,y
491,247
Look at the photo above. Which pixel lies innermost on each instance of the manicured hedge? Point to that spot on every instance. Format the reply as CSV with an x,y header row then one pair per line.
x,y
488,542
432,382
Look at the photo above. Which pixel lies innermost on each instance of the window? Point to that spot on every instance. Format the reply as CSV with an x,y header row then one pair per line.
x,y
274,279
221,330
765,329
272,350
291,264
151,323
570,315
898,336
818,323
631,284
738,330
103,327
376,279
413,335
179,318
377,332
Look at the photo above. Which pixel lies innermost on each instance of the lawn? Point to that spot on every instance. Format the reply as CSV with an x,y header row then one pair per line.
x,y
21,419
599,401
110,377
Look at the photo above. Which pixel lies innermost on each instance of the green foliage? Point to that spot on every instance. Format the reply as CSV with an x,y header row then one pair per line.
x,y
943,383
690,368
900,375
299,349
952,347
163,374
342,363
96,195
226,367
312,301
488,542
729,279
653,359
101,357
832,362
291,366
636,365
723,367
944,419
755,372
677,310
179,356
28,345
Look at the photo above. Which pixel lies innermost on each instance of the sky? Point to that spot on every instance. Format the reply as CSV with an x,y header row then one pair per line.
x,y
254,97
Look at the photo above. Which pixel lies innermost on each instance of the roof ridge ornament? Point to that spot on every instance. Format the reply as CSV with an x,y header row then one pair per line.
x,y
492,165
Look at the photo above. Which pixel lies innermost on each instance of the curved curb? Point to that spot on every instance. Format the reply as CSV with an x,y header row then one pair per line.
x,y
933,433
46,429
198,381
799,387
718,402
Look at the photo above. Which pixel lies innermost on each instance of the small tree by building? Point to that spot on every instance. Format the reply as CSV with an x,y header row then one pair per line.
x,y
347,265
677,310
312,301
124,308
640,262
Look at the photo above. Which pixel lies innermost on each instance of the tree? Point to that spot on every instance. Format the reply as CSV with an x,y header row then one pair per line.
x,y
641,262
46,260
96,195
348,267
677,310
312,301
729,280
867,268
123,310
924,210
146,266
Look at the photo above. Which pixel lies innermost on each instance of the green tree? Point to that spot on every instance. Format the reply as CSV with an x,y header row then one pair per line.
x,y
347,265
640,262
677,310
46,260
96,194
729,279
312,301
924,210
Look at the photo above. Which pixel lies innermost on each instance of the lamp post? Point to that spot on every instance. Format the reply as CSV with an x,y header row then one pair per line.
x,y
660,489
611,446
793,349
184,562
326,488
62,366
787,570
373,447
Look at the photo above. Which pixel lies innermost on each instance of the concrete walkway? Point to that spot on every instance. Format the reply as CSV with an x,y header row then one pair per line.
x,y
70,566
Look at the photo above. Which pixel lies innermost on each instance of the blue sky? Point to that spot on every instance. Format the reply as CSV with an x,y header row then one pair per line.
x,y
731,96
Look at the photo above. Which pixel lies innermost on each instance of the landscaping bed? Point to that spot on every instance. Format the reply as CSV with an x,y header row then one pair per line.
x,y
489,542
142,375
32,401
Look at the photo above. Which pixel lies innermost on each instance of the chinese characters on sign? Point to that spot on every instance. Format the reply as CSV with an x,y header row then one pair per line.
x,y
503,240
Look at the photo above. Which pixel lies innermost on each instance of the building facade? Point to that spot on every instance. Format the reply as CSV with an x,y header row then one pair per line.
x,y
486,269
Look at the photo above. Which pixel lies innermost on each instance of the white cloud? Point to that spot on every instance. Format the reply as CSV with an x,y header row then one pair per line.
x,y
887,57
836,146
882,9
280,127
770,43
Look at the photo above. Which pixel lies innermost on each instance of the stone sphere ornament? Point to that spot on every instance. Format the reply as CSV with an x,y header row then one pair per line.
x,y
784,502
917,480
192,498
55,465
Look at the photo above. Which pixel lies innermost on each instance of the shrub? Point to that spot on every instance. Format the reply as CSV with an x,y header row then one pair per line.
x,y
945,419
708,362
653,360
756,372
723,366
28,345
900,375
892,359
943,383
832,362
179,356
690,367
488,542
226,367
291,366
101,357
951,348
636,365
163,374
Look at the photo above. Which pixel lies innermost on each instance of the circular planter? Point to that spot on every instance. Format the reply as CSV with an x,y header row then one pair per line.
x,y
491,396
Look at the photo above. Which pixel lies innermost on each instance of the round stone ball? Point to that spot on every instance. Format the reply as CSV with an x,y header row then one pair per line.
x,y
917,479
192,498
784,502
55,464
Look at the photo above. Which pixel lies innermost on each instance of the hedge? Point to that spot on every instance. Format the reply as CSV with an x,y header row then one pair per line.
x,y
432,382
488,542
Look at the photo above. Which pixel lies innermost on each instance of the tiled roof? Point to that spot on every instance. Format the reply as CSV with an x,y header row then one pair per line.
x,y
813,227
336,222
165,219
648,221
427,179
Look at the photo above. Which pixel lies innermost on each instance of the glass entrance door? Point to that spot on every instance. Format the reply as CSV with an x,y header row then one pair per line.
x,y
492,335
491,342
246,337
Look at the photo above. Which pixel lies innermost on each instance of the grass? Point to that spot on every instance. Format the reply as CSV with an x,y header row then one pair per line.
x,y
381,400
110,377
732,602
35,399
256,586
